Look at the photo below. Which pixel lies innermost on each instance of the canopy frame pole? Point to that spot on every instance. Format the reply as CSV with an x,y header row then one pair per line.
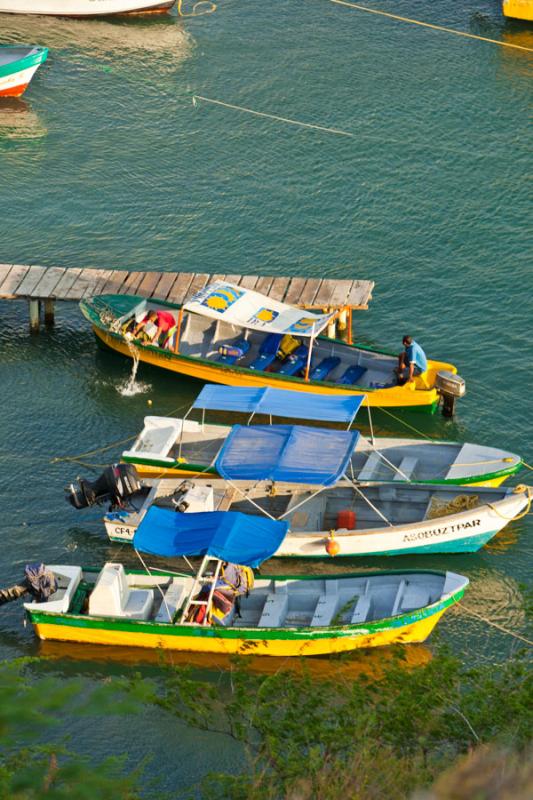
x,y
203,419
241,492
386,460
302,502
311,343
370,503
157,586
349,339
371,426
178,331
181,431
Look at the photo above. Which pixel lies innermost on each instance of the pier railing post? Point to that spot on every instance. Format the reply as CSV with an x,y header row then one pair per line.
x,y
49,312
35,308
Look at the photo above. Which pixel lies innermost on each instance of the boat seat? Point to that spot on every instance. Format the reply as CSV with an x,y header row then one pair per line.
x,y
396,606
414,596
274,610
267,352
351,375
362,607
407,466
295,362
370,468
231,353
68,579
322,370
172,600
112,597
325,609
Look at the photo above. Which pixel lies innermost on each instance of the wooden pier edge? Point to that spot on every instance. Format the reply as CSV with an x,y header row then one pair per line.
x,y
44,285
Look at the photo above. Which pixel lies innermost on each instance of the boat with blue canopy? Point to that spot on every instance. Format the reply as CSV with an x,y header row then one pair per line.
x,y
235,336
184,447
224,608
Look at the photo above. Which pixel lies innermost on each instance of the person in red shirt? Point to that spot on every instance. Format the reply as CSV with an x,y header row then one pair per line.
x,y
163,321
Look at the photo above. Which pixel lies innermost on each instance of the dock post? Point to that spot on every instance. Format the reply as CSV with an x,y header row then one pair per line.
x,y
49,312
34,306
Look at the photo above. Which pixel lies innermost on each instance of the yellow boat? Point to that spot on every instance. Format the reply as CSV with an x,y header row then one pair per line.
x,y
518,9
234,336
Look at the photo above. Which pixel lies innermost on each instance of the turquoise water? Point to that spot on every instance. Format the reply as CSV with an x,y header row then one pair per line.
x,y
106,163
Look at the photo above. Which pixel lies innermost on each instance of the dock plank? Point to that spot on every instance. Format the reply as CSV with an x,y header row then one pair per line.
x,y
149,283
200,280
12,280
248,281
180,289
165,285
48,284
264,283
83,285
360,294
105,275
30,280
295,290
279,288
341,292
310,291
117,279
131,283
69,277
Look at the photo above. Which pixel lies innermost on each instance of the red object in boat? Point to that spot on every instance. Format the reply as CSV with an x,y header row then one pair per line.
x,y
346,519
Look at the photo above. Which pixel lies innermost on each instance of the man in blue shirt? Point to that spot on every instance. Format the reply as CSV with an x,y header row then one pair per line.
x,y
412,361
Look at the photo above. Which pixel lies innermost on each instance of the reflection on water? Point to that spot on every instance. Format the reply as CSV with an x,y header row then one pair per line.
x,y
372,663
100,36
18,120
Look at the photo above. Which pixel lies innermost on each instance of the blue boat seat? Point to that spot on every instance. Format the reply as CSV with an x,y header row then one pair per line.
x,y
352,375
230,353
295,362
322,370
267,351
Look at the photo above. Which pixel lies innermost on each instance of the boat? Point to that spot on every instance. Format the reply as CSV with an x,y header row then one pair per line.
x,y
18,64
84,8
518,9
302,475
235,336
211,613
181,447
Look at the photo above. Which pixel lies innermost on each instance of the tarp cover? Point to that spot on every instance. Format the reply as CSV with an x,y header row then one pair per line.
x,y
228,535
279,402
249,309
290,453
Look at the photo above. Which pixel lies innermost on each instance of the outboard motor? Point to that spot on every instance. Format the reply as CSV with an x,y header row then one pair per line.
x,y
115,486
450,386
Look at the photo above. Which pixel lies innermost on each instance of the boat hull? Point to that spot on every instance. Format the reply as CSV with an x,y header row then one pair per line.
x,y
15,75
84,8
408,628
210,372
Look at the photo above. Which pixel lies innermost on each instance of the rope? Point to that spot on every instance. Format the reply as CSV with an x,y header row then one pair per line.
x,y
211,8
462,607
430,25
527,466
522,513
196,97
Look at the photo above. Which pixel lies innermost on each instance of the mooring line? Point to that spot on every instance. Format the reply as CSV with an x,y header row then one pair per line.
x,y
430,25
196,97
466,610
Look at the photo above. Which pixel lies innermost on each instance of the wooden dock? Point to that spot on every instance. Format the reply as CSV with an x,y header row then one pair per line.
x,y
45,285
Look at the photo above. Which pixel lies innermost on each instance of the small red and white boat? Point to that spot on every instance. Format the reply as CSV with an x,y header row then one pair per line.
x,y
18,64
83,8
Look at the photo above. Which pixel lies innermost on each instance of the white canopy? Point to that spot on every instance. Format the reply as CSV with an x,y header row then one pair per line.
x,y
248,309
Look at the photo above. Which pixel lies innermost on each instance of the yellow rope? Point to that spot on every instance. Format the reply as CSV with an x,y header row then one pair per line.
x,y
403,422
463,502
430,25
211,7
527,466
462,607
522,513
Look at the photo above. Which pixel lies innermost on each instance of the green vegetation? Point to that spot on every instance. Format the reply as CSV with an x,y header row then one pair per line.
x,y
303,737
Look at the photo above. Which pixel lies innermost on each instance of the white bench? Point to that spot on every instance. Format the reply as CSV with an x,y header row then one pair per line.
x,y
112,597
172,600
370,467
274,610
414,597
362,607
325,609
68,579
407,467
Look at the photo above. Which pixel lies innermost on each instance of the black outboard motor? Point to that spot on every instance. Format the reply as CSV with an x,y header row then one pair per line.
x,y
115,486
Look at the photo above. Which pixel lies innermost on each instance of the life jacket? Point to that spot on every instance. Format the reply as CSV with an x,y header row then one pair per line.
x,y
287,346
238,578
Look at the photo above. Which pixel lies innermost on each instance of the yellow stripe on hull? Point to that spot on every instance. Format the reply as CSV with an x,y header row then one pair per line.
x,y
395,397
414,632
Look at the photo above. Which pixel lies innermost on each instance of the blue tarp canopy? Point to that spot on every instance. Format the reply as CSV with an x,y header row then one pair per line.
x,y
279,402
291,453
228,535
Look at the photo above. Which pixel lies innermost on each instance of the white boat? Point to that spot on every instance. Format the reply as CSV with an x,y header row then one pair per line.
x,y
18,64
301,475
176,447
83,8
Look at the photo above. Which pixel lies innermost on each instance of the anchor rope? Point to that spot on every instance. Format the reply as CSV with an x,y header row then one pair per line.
x,y
336,131
211,8
431,25
462,607
522,513
403,422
